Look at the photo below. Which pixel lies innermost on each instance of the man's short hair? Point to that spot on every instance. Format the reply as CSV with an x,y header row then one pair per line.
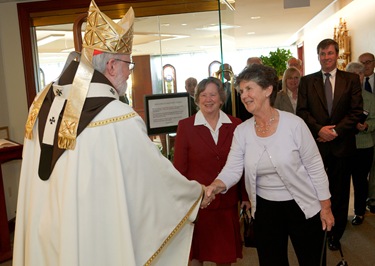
x,y
327,42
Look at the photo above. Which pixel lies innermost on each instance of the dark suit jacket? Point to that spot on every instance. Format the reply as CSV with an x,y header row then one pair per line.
x,y
241,111
227,106
197,156
192,106
347,107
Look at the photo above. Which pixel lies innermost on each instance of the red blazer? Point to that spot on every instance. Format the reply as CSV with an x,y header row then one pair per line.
x,y
198,158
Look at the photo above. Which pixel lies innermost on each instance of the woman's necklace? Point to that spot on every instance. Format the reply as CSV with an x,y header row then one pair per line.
x,y
264,128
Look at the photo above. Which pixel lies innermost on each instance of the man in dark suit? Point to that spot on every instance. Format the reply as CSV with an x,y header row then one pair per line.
x,y
368,60
225,74
190,84
331,110
232,105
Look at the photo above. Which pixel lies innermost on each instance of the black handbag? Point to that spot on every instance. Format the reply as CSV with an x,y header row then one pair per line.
x,y
248,228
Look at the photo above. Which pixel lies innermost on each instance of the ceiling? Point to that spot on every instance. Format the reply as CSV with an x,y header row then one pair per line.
x,y
254,24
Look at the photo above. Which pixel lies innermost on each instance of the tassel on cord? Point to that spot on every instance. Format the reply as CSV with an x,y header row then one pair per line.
x,y
66,143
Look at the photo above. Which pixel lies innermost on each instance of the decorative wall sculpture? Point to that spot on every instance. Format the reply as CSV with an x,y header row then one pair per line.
x,y
342,37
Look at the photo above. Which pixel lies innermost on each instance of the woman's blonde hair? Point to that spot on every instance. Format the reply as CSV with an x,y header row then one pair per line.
x,y
288,73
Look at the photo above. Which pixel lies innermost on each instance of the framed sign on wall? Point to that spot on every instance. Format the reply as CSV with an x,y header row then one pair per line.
x,y
163,111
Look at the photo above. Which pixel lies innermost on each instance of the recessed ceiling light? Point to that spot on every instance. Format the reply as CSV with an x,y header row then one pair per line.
x,y
251,33
255,17
216,27
183,24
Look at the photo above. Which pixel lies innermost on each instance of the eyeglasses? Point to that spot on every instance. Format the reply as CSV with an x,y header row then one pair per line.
x,y
131,64
367,62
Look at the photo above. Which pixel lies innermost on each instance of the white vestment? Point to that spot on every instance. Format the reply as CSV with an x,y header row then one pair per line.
x,y
113,200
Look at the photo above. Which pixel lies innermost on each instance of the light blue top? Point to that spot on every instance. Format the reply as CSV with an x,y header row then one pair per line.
x,y
294,156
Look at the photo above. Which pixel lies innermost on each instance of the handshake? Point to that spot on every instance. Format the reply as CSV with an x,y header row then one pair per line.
x,y
214,188
210,191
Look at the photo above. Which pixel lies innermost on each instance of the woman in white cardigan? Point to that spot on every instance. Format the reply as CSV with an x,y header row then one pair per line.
x,y
284,174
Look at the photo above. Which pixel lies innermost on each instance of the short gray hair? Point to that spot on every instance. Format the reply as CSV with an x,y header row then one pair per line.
x,y
262,75
355,67
100,61
203,84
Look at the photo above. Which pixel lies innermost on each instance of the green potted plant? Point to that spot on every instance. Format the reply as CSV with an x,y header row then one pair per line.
x,y
277,60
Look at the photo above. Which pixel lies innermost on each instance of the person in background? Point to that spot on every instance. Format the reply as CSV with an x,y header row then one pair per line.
x,y
368,60
232,105
201,148
254,60
225,74
365,148
124,98
330,102
295,62
284,175
241,111
94,189
292,62
286,99
190,84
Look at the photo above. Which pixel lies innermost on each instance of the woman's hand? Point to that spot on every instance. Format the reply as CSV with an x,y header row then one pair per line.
x,y
207,199
362,127
210,191
246,204
326,216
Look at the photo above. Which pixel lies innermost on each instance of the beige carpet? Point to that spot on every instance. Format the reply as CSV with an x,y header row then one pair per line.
x,y
358,245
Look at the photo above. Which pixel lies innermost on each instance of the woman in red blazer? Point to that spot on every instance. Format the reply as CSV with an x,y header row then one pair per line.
x,y
201,149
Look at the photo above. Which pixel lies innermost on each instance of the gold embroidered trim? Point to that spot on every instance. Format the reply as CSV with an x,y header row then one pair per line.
x,y
175,230
69,124
33,115
112,120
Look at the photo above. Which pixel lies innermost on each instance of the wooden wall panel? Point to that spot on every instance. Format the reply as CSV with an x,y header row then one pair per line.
x,y
141,83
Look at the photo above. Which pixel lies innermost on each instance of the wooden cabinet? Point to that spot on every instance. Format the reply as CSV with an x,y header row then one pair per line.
x,y
6,154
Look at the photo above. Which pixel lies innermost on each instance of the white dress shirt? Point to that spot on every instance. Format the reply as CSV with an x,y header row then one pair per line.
x,y
201,120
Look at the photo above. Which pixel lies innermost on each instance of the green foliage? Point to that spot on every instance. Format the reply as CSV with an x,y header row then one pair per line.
x,y
277,60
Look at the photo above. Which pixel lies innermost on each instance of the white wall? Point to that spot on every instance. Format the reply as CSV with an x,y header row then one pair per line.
x,y
360,20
